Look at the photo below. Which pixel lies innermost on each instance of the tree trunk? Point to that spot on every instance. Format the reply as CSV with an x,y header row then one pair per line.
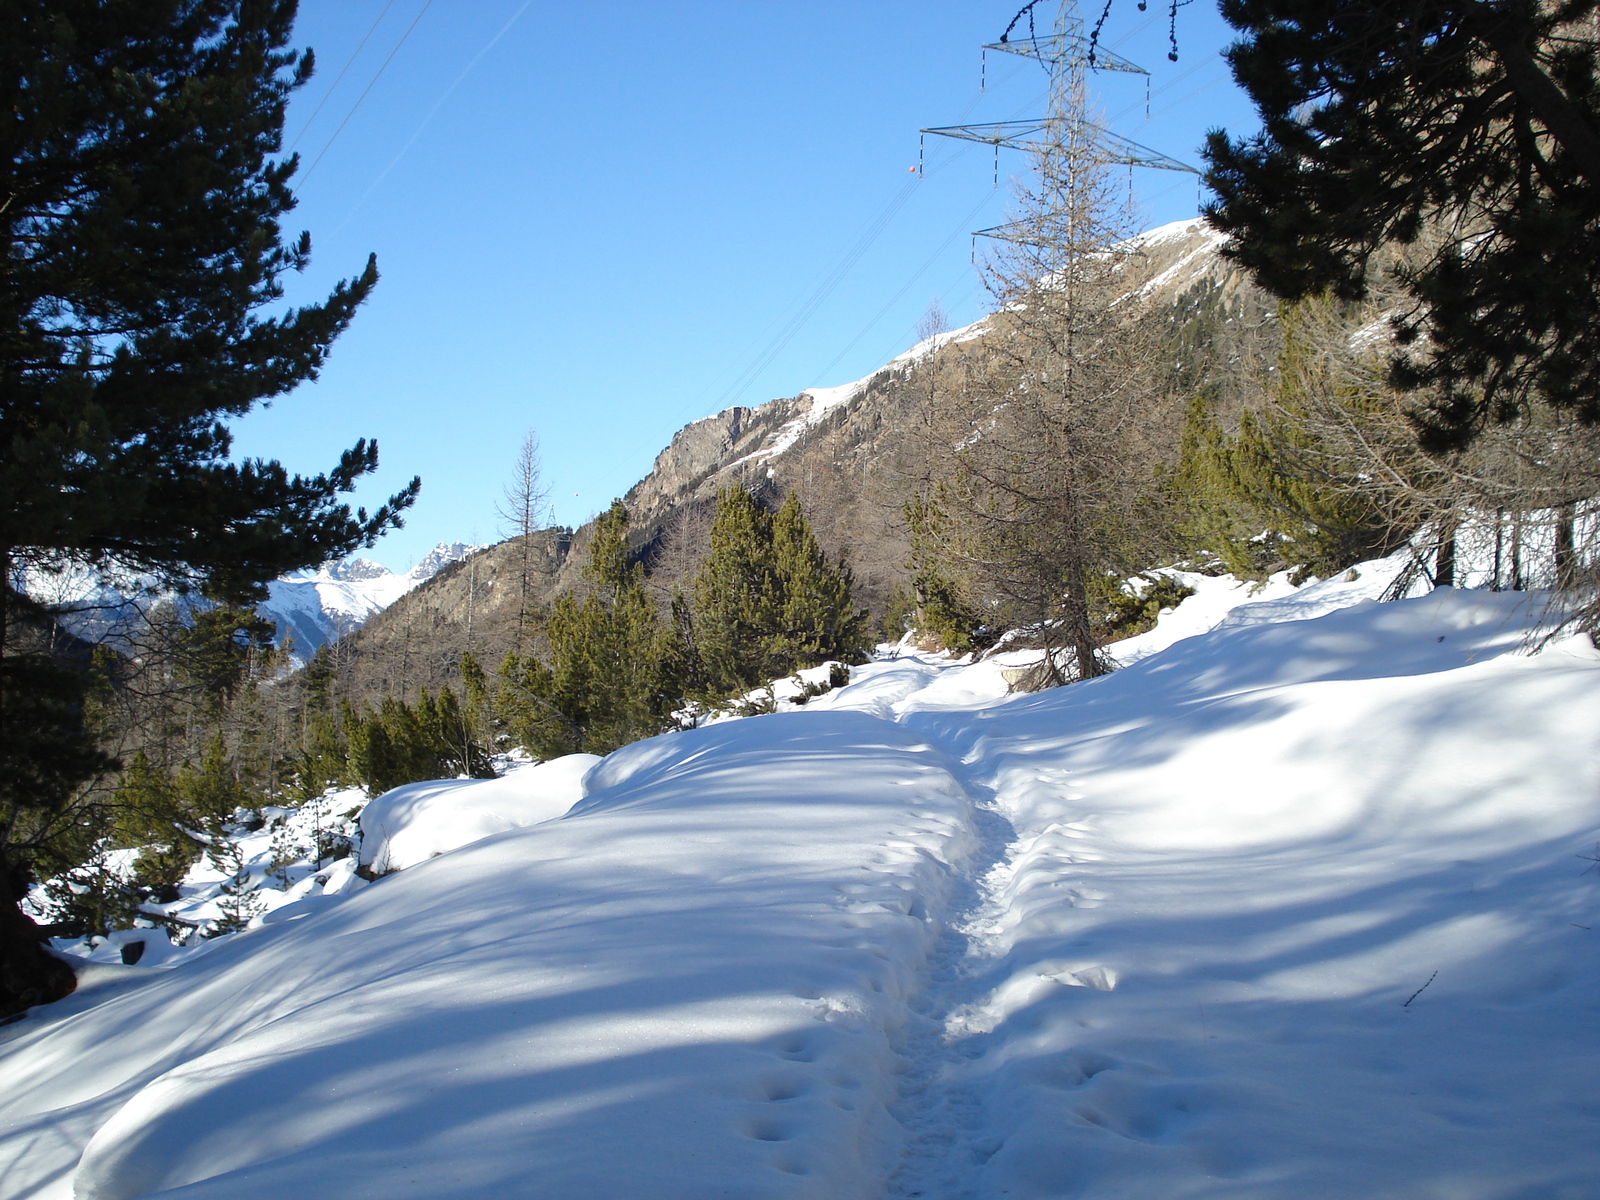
x,y
1516,551
1499,539
29,974
1444,563
1566,563
1080,622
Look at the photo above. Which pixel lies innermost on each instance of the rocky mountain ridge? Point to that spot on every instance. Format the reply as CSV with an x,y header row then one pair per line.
x,y
845,449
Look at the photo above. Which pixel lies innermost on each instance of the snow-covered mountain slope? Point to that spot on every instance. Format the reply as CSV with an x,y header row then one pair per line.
x,y
314,608
1294,908
741,444
311,608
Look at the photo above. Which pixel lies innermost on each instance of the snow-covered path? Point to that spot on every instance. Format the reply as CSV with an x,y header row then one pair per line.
x,y
1196,969
687,988
1296,909
936,1106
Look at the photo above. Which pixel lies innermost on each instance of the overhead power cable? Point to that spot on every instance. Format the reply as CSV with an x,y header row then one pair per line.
x,y
961,228
816,299
364,92
465,71
789,322
340,76
1175,80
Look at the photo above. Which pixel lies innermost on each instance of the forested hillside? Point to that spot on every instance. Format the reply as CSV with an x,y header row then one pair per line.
x,y
852,454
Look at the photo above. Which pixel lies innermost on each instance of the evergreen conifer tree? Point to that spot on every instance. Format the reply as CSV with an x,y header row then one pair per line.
x,y
210,789
1328,472
737,605
321,759
767,600
150,817
523,689
686,672
371,756
817,617
939,609
608,680
400,743
143,198
478,704
1467,129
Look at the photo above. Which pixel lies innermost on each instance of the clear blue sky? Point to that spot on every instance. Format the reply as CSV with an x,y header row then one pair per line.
x,y
606,221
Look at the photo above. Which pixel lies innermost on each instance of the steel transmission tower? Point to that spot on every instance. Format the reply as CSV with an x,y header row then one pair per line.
x,y
1067,55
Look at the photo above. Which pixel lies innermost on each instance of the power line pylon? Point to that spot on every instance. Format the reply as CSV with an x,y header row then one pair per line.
x,y
1067,55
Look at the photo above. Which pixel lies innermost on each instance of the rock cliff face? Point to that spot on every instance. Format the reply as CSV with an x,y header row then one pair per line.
x,y
703,448
846,450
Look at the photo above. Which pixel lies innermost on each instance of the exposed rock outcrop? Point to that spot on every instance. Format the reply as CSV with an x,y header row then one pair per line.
x,y
846,450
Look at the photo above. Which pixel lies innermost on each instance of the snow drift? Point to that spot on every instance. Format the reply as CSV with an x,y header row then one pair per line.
x,y
418,821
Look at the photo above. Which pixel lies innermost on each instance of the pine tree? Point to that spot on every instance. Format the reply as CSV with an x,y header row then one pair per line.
x,y
523,692
1466,129
685,668
939,609
448,739
370,755
398,743
608,680
477,713
143,200
150,815
1328,472
767,600
817,618
210,789
321,759
737,605
1253,502
220,651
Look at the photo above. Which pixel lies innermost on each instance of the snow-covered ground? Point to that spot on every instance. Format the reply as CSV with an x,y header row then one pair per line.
x,y
1299,905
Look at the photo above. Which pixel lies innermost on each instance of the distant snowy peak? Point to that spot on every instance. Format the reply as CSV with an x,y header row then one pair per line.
x,y
356,570
436,560
313,609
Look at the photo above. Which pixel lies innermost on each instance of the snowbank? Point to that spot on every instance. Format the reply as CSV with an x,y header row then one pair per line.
x,y
1295,909
687,989
418,821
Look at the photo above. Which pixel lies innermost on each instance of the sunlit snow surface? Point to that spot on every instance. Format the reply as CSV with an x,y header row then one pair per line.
x,y
1158,936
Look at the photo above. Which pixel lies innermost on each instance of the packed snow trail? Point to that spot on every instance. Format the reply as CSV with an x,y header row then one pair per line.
x,y
1238,866
936,1106
1294,909
685,989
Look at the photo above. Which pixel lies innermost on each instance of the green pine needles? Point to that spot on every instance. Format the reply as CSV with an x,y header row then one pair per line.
x,y
607,681
1327,473
766,602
